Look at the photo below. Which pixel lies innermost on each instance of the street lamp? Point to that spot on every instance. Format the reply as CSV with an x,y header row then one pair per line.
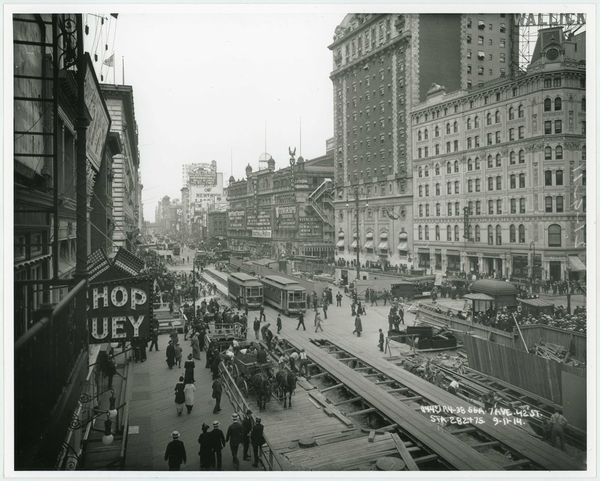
x,y
356,201
532,249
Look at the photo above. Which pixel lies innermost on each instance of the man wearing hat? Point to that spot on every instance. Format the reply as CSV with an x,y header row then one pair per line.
x,y
206,451
247,425
217,391
175,453
258,439
235,438
218,443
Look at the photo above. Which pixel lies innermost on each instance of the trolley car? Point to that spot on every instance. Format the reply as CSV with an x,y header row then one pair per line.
x,y
245,290
284,294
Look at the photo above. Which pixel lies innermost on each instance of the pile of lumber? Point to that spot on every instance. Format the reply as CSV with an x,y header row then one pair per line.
x,y
556,352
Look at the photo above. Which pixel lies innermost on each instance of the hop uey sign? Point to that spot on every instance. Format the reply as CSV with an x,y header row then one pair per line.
x,y
120,310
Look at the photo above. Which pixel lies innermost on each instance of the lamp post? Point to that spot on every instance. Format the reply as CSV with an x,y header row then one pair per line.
x,y
532,249
356,201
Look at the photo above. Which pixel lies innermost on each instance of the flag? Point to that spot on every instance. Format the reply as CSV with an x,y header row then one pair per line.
x,y
110,61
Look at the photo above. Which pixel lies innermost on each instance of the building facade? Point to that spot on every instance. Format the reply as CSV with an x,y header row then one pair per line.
x,y
499,174
217,226
288,212
126,185
169,215
383,65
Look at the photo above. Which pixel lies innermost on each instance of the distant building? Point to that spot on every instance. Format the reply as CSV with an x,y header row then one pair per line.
x,y
283,213
217,226
169,215
204,189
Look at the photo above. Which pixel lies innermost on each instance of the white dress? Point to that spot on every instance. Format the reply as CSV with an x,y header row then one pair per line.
x,y
189,390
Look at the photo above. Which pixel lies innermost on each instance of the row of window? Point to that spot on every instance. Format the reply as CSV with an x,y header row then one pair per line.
x,y
424,209
481,24
481,40
494,234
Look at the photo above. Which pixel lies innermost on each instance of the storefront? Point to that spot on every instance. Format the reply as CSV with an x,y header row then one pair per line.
x,y
424,258
473,261
520,266
438,260
453,260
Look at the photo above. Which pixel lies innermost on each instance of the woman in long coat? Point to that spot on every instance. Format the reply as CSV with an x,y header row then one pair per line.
x,y
196,346
171,355
357,326
179,395
189,367
189,390
206,450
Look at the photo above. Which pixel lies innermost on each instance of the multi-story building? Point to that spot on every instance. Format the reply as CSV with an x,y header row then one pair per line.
x,y
499,171
126,187
283,213
217,226
384,64
169,214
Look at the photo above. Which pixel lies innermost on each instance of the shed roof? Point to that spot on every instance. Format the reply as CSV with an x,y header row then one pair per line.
x,y
494,287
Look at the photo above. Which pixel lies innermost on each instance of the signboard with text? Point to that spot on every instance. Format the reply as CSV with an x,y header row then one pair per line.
x,y
261,233
100,119
236,219
120,310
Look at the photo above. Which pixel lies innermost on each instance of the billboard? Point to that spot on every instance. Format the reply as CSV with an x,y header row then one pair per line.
x,y
261,233
120,310
100,118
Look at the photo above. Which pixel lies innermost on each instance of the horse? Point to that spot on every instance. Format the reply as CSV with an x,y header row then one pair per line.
x,y
262,388
286,383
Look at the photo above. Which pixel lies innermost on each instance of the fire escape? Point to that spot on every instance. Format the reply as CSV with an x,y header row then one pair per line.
x,y
321,202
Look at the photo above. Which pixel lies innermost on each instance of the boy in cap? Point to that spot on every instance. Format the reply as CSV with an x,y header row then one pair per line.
x,y
218,443
247,425
258,439
235,438
175,453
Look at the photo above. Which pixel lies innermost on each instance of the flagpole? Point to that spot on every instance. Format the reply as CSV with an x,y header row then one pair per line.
x,y
123,69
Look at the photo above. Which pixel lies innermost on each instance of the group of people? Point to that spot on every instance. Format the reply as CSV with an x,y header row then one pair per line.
x,y
241,432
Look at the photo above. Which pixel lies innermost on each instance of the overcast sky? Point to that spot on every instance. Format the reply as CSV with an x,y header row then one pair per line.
x,y
204,85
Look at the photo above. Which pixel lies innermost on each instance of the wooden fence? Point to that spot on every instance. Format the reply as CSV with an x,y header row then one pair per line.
x,y
534,373
554,335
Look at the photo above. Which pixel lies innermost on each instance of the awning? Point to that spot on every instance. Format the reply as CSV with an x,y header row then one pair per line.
x,y
383,245
575,264
340,235
369,235
369,244
403,235
536,302
353,245
340,243
478,297
383,235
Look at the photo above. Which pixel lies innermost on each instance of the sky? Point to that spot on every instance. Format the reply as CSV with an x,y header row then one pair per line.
x,y
216,86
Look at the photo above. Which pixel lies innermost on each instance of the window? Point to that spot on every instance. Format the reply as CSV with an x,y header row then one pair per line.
x,y
477,234
583,152
547,105
448,147
502,42
558,126
521,234
547,82
448,168
469,53
420,232
426,175
556,82
455,145
502,27
554,235
437,169
449,208
468,38
498,160
420,171
559,152
469,164
470,207
468,69
437,209
490,206
480,70
479,40
583,104
426,210
488,119
513,158
557,103
437,149
426,191
469,123
420,210
456,233
548,204
548,153
437,232
498,139
477,185
490,183
522,131
515,91
499,206
497,117
522,206
437,189
521,156
512,234
548,127
513,181
521,111
478,207
548,177
490,161
511,113
469,142
490,235
449,188
448,128
456,189
476,122
511,134
559,204
456,168
489,139
437,131
449,233
521,181
513,206
476,163
455,127
477,141
457,208
470,185
559,177
498,235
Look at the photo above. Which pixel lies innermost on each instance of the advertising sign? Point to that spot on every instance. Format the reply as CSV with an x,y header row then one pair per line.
x,y
261,233
236,219
286,216
120,310
100,118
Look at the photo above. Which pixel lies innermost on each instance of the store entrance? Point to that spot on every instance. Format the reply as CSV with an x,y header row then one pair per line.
x,y
554,270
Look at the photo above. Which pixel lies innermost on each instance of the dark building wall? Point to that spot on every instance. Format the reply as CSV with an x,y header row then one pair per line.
x,y
439,52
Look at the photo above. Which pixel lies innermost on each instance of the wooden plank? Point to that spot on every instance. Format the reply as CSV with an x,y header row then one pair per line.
x,y
371,436
485,445
463,431
335,386
389,381
321,374
362,368
404,454
347,359
398,389
363,411
354,399
426,459
412,398
517,464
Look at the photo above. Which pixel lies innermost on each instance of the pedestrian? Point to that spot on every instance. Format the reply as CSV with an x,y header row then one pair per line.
x,y
247,425
381,340
303,362
338,298
170,355
218,443
217,391
558,423
109,368
175,453
189,367
263,331
269,338
206,450
353,308
174,337
438,378
178,355
235,437
262,313
279,326
256,327
154,339
195,343
215,364
373,298
293,358
258,439
189,390
325,310
301,321
318,322
453,387
357,326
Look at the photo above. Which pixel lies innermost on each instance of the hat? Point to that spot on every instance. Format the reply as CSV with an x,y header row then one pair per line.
x,y
248,412
205,427
216,424
258,419
175,434
189,356
235,416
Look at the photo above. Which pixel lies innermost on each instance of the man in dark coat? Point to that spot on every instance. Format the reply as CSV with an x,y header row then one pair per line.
x,y
175,453
247,425
218,443
154,339
279,325
262,314
258,439
256,327
381,340
170,355
217,391
235,437
206,450
338,298
301,321
269,338
215,364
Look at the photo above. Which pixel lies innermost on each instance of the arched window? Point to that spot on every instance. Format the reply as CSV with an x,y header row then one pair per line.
x,y
456,233
521,111
420,210
437,209
490,160
456,169
476,163
469,164
548,153
426,232
521,234
449,168
448,128
476,121
521,156
557,103
513,181
437,169
449,233
490,235
513,157
419,136
426,134
488,119
497,119
498,235
426,171
559,152
559,204
498,160
420,191
455,126
512,236
420,172
547,105
554,236
559,177
420,232
437,232
437,189
477,233
548,203
470,207
513,206
469,123
470,185
437,131
511,113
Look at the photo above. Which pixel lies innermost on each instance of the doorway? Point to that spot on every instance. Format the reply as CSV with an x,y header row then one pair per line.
x,y
554,270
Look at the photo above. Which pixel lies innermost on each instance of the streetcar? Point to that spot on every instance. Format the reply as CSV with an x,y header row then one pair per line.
x,y
284,294
176,250
245,290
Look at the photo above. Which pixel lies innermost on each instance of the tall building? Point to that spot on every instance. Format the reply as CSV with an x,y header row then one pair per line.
x,y
383,65
283,213
499,170
204,188
126,185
